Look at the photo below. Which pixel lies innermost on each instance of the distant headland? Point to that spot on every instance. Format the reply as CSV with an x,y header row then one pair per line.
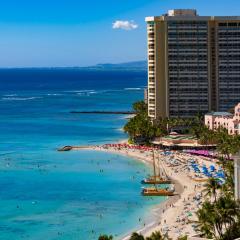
x,y
127,66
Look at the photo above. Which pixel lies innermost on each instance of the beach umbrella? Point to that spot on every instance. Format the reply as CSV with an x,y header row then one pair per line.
x,y
209,175
189,214
221,175
204,169
212,168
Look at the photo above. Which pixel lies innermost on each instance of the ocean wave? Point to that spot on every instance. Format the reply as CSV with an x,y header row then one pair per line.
x,y
111,90
87,93
10,95
19,98
130,89
80,91
54,94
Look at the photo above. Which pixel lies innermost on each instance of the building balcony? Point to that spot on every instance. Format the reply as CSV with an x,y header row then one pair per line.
x,y
151,105
151,85
151,53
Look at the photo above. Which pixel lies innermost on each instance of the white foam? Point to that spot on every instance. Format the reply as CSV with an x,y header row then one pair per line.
x,y
10,95
54,94
127,89
19,98
87,92
80,91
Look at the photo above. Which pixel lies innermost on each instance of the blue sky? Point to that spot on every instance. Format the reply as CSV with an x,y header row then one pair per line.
x,y
51,33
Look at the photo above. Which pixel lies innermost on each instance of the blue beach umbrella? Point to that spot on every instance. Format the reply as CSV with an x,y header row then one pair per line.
x,y
204,169
221,175
197,170
212,168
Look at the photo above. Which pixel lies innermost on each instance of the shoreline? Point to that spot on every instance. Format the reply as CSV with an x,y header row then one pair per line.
x,y
158,212
169,215
159,209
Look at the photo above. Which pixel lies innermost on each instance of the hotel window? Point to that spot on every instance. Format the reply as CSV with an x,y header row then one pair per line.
x,y
151,46
151,35
151,57
151,79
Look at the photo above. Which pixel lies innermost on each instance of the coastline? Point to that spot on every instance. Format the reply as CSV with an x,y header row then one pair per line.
x,y
165,213
158,213
159,209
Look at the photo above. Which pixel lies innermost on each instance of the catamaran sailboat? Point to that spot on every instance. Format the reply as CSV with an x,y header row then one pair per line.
x,y
160,178
154,191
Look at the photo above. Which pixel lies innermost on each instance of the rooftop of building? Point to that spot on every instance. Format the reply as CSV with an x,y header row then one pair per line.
x,y
188,14
181,12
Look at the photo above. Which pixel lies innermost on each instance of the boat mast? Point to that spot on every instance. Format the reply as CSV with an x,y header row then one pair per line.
x,y
154,166
154,170
164,173
159,167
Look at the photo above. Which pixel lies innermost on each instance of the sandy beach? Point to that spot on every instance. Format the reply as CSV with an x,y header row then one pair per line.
x,y
176,216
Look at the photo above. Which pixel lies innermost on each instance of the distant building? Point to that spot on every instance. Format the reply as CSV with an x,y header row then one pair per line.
x,y
146,95
237,176
226,120
193,63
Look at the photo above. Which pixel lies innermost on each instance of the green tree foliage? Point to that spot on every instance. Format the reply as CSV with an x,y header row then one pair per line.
x,y
233,232
155,236
219,216
211,188
227,144
140,107
197,126
140,127
105,237
183,238
136,236
215,218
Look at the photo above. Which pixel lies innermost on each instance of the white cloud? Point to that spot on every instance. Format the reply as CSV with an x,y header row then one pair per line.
x,y
125,25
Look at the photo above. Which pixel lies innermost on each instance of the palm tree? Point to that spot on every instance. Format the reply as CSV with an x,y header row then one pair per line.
x,y
140,126
183,238
206,220
105,237
228,166
211,188
140,107
227,209
155,236
227,144
233,232
136,236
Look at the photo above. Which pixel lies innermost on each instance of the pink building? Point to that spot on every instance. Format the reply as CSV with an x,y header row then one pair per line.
x,y
226,120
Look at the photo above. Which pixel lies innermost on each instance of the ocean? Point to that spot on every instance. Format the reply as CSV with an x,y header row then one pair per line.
x,y
46,194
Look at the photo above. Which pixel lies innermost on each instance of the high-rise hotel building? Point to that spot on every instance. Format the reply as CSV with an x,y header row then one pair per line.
x,y
193,63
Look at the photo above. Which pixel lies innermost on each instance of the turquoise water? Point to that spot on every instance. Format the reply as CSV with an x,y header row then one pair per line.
x,y
45,194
